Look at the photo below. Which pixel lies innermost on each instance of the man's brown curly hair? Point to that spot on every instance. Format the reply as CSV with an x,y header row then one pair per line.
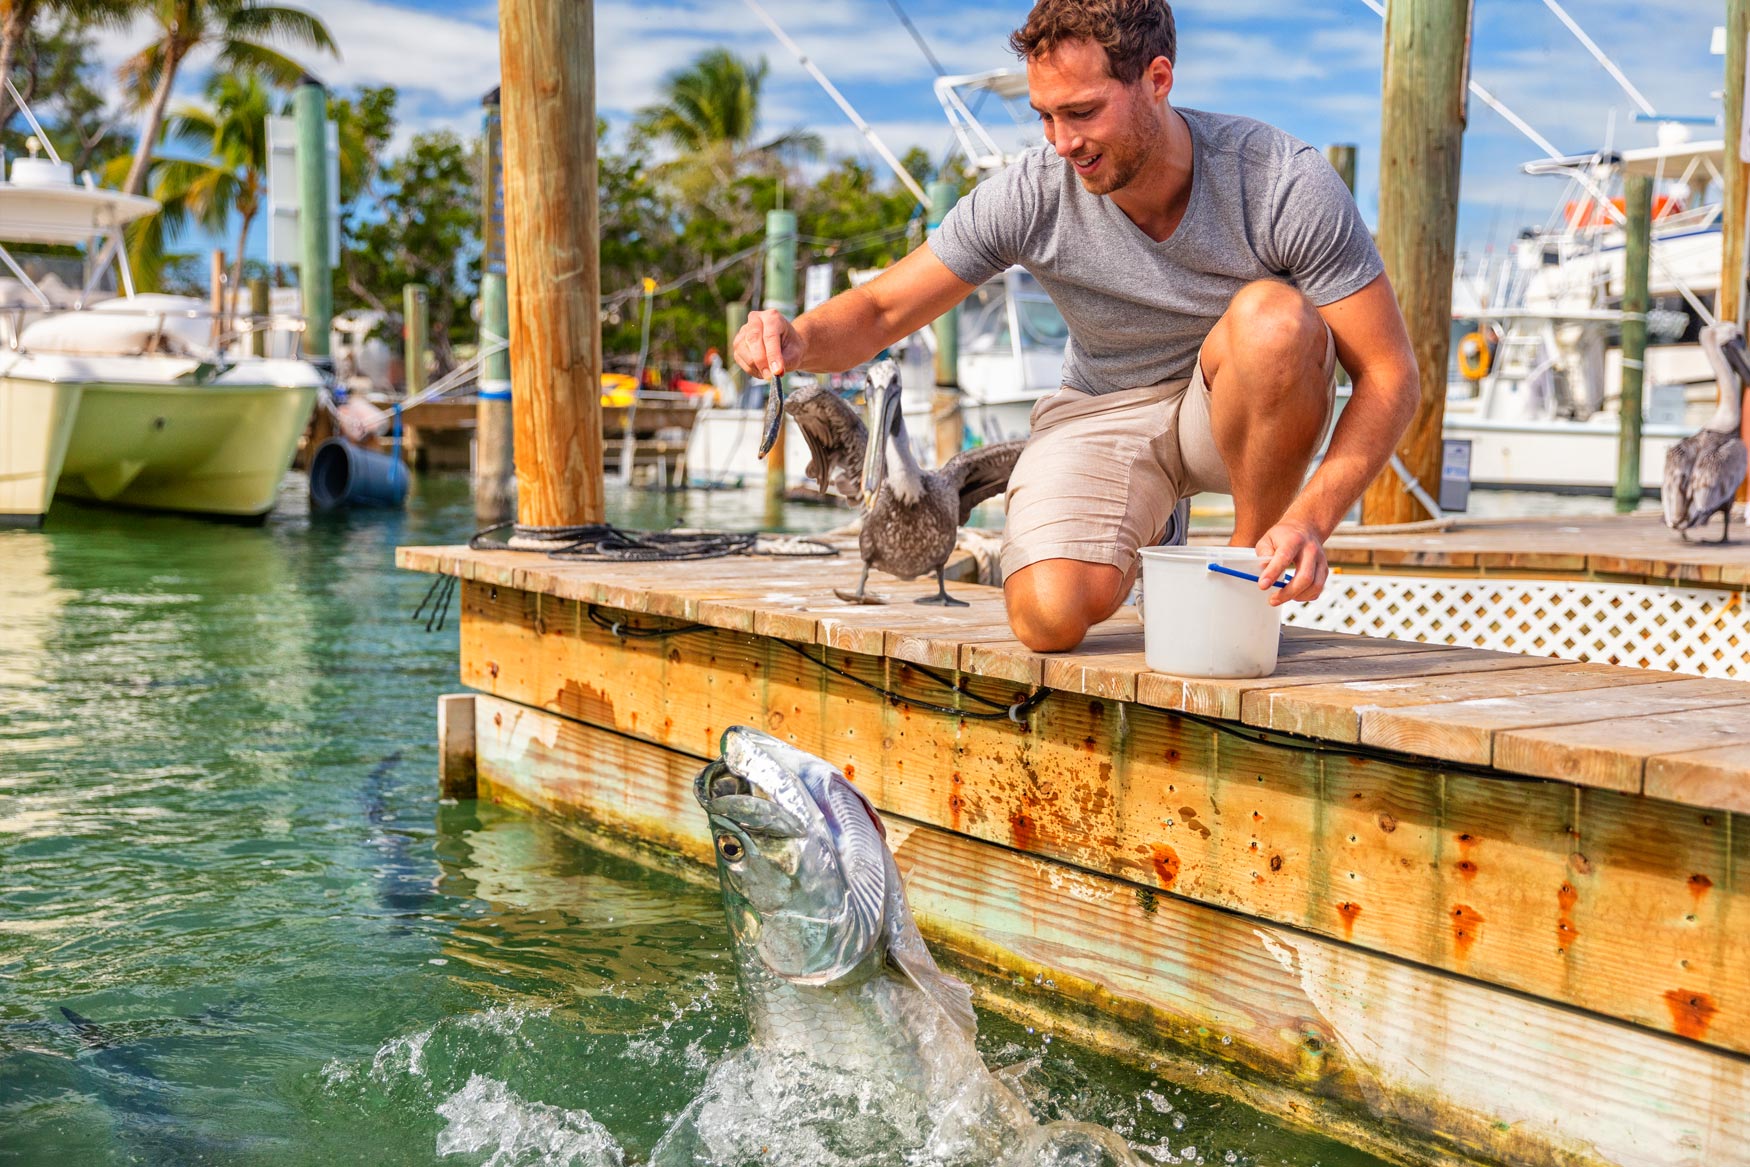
x,y
1133,32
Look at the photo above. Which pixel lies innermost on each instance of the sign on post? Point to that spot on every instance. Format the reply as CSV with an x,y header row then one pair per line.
x,y
817,286
1454,475
283,241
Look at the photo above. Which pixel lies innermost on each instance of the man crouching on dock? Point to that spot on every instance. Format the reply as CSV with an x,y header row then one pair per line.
x,y
1212,271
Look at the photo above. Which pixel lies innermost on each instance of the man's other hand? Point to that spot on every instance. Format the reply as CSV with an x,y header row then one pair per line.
x,y
1297,546
767,345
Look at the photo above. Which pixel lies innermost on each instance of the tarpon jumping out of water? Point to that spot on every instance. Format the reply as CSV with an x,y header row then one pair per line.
x,y
860,1043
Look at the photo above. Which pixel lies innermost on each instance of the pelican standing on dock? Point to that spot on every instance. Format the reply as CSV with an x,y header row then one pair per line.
x,y
910,515
1702,472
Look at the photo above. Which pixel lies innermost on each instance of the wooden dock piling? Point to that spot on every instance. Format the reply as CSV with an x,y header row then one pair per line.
x,y
547,95
1427,67
780,297
415,325
315,277
1637,192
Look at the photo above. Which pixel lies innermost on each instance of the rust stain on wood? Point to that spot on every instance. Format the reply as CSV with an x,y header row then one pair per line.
x,y
1347,911
1467,929
1566,933
1166,863
1699,886
1691,1012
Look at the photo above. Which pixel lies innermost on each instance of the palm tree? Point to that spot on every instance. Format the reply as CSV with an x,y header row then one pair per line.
x,y
18,16
231,179
709,112
238,29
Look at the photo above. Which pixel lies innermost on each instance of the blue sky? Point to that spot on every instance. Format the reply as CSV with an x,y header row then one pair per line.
x,y
1309,66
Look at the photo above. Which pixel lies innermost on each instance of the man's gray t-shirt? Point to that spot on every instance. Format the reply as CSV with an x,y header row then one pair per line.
x,y
1263,205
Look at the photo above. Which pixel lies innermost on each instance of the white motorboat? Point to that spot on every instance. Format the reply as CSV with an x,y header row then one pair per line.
x,y
134,400
1540,405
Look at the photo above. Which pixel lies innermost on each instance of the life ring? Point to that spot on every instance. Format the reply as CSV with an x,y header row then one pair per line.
x,y
1473,356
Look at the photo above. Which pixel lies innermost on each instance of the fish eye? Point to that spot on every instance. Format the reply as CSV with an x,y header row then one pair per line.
x,y
730,848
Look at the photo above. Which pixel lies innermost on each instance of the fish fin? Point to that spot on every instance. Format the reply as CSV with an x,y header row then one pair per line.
x,y
908,953
864,857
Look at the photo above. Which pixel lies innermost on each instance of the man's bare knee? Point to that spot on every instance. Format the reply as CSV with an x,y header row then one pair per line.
x,y
1044,629
1279,327
1053,603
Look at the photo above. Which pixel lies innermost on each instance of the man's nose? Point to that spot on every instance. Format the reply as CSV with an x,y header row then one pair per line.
x,y
1067,145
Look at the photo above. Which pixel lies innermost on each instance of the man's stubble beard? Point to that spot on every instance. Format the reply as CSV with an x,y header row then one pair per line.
x,y
1128,158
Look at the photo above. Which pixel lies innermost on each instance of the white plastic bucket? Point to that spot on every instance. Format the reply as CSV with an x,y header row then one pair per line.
x,y
1200,623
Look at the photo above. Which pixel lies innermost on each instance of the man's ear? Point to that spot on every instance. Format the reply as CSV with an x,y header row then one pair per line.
x,y
1159,76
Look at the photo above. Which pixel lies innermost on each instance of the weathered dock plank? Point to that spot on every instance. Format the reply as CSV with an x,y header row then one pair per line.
x,y
1374,1050
1465,731
1615,547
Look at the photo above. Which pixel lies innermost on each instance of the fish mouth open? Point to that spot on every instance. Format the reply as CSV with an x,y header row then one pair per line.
x,y
717,780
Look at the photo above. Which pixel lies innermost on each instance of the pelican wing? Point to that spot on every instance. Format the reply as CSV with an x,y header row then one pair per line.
x,y
1674,494
1713,481
981,473
835,435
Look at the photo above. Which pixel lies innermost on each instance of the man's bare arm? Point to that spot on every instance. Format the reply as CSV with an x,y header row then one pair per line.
x,y
1374,346
855,325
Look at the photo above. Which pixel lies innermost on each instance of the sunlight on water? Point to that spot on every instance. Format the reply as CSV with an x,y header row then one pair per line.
x,y
237,928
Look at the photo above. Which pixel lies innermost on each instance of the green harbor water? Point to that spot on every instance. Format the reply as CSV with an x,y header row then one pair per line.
x,y
236,926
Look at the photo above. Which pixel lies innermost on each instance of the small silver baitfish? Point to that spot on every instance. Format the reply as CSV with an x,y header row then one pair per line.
x,y
862,1049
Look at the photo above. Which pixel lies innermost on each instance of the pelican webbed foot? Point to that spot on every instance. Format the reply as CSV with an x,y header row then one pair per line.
x,y
861,595
942,599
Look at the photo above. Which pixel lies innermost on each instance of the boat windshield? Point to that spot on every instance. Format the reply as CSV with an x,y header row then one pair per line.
x,y
1042,325
985,323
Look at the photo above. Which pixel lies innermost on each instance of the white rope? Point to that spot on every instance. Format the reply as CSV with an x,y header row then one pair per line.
x,y
1599,55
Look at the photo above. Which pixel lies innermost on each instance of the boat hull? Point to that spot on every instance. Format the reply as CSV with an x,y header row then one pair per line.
x,y
206,449
1560,456
36,423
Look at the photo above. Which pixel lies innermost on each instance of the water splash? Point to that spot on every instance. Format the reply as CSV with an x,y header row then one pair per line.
x,y
486,1117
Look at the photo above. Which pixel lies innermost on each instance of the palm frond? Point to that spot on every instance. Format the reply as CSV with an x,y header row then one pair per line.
x,y
279,22
270,64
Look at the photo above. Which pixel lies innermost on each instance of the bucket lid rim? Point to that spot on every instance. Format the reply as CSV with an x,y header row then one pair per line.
x,y
1202,554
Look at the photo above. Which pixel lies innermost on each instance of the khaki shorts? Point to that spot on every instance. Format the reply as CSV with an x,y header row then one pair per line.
x,y
1102,472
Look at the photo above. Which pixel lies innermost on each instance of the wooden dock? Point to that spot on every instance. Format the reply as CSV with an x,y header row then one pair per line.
x,y
1636,548
1454,904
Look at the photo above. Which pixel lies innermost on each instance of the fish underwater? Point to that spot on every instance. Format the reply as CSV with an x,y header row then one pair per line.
x,y
861,1049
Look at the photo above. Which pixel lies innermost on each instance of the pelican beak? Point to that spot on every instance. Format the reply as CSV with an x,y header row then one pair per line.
x,y
875,452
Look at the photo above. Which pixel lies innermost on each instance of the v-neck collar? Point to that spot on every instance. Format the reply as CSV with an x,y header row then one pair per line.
x,y
1191,200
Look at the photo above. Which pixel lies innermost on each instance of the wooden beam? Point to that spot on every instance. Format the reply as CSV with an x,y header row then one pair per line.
x,y
547,60
1735,203
1427,66
1438,1067
1637,192
456,764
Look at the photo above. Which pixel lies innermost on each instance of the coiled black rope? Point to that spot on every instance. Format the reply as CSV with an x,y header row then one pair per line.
x,y
605,541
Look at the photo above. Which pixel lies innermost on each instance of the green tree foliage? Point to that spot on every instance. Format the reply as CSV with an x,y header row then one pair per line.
x,y
419,223
223,178
241,32
51,59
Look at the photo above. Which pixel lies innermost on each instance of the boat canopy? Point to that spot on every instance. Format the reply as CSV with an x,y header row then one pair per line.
x,y
1655,160
69,214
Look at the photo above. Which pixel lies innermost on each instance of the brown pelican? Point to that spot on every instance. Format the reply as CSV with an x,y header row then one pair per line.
x,y
1702,472
910,515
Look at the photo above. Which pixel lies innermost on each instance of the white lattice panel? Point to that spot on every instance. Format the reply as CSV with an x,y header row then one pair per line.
x,y
1685,630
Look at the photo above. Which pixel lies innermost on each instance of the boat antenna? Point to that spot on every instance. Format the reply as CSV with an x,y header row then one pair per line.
x,y
1599,55
868,132
1493,102
36,126
917,36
